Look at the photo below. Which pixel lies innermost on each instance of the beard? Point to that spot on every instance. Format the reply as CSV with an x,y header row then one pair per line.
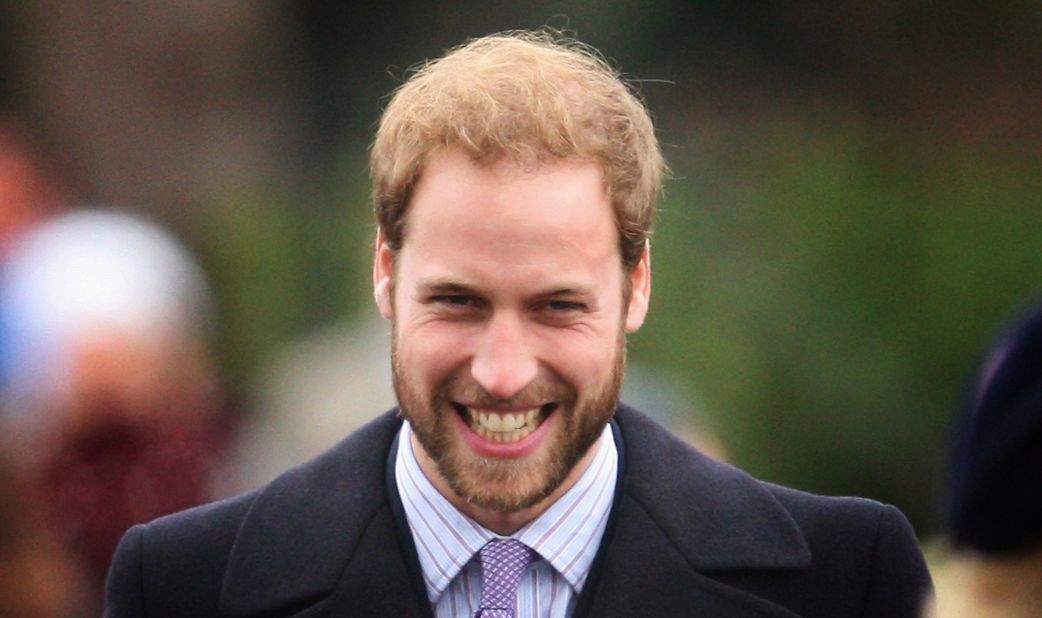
x,y
508,484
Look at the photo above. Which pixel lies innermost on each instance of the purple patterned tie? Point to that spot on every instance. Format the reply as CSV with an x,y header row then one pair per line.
x,y
502,562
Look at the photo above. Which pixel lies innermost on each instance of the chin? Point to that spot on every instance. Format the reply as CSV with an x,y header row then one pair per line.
x,y
504,485
510,484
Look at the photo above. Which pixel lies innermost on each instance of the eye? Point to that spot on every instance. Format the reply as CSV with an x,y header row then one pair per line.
x,y
561,312
454,300
563,306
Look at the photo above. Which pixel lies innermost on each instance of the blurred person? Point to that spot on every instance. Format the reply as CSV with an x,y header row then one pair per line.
x,y
108,397
995,511
38,576
514,181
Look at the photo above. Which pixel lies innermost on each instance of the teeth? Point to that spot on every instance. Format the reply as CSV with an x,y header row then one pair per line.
x,y
509,427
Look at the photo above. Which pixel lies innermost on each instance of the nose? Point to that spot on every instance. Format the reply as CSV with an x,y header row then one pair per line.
x,y
504,362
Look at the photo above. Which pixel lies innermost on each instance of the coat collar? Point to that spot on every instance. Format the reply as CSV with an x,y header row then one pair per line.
x,y
679,519
323,535
324,527
717,516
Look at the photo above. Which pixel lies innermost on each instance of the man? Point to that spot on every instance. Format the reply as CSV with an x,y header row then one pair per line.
x,y
514,181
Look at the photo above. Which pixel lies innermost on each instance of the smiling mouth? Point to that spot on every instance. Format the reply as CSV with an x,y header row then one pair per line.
x,y
505,427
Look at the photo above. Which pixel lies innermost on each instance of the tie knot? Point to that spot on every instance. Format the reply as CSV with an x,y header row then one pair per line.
x,y
502,562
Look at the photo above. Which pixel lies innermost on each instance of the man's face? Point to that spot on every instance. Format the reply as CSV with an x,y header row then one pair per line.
x,y
509,320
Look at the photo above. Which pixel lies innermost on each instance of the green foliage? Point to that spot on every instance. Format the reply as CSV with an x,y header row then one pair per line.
x,y
827,292
286,260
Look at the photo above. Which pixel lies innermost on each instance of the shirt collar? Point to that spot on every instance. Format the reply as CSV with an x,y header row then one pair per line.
x,y
566,535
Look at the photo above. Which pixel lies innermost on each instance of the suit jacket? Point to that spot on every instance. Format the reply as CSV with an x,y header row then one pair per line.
x,y
687,536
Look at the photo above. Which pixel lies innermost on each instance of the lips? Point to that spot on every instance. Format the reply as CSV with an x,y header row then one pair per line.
x,y
504,426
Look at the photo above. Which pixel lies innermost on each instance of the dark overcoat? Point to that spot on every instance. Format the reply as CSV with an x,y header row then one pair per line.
x,y
687,536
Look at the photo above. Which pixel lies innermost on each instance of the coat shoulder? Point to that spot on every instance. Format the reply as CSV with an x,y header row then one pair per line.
x,y
814,555
173,566
867,538
182,564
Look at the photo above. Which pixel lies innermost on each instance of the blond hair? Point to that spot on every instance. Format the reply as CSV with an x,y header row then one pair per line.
x,y
527,97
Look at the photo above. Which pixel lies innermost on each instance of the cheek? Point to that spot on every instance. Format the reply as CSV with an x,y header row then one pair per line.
x,y
432,352
581,361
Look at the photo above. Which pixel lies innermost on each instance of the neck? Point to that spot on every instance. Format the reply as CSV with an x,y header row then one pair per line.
x,y
503,523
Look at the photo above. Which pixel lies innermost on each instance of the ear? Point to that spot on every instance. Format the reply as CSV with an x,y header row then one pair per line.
x,y
640,290
383,276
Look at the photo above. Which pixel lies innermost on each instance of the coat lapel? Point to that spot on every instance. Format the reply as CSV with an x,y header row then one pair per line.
x,y
679,519
646,575
322,534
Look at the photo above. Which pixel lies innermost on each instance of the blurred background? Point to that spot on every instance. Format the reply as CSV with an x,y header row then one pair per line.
x,y
855,208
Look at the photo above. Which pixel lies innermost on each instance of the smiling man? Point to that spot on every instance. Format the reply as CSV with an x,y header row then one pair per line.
x,y
509,307
514,181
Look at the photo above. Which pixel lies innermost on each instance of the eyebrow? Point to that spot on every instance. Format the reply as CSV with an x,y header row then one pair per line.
x,y
565,291
445,286
453,285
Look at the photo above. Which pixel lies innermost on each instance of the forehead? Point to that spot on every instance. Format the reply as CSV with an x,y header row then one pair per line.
x,y
510,220
454,188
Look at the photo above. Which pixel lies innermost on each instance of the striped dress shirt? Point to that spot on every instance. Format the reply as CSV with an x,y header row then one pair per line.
x,y
565,538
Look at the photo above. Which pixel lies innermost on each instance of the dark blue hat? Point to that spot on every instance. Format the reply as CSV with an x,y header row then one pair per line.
x,y
996,489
